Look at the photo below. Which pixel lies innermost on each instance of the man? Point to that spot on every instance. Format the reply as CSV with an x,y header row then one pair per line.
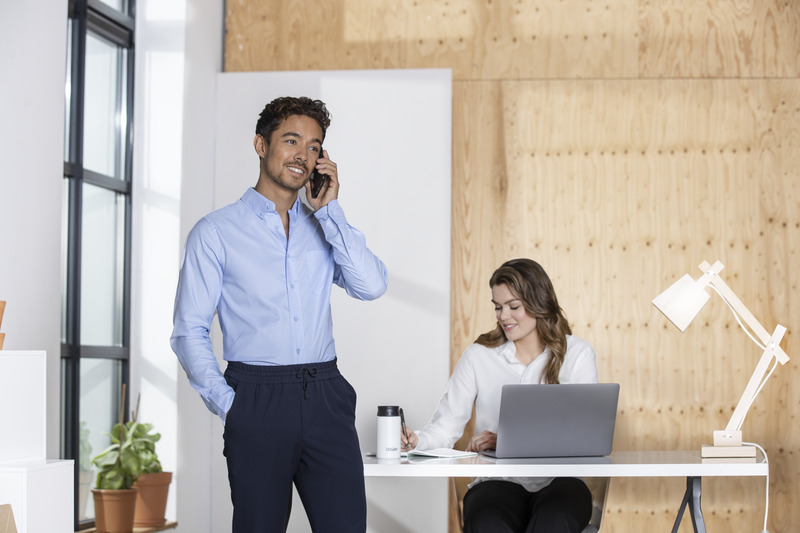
x,y
266,265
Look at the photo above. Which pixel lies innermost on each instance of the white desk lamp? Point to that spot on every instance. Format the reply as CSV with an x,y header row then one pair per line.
x,y
681,303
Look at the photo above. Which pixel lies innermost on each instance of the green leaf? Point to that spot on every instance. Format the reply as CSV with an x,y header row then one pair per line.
x,y
131,462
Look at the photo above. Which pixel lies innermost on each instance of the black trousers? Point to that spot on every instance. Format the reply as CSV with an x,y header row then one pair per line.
x,y
496,506
293,424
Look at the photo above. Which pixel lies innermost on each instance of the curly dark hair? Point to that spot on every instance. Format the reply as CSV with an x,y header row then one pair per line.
x,y
284,107
527,280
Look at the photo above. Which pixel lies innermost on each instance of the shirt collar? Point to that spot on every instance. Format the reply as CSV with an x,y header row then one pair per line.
x,y
262,205
509,352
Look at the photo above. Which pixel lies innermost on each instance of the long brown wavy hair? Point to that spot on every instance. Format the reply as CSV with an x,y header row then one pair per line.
x,y
527,280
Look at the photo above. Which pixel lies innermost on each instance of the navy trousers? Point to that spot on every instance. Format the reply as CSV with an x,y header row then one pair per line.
x,y
496,506
293,424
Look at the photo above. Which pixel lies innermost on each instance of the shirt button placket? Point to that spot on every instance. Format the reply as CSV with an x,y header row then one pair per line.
x,y
294,304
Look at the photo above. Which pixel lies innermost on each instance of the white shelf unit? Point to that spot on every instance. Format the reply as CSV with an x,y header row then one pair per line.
x,y
39,490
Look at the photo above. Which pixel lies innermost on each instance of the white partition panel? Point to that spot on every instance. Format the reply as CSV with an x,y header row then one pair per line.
x,y
22,405
390,136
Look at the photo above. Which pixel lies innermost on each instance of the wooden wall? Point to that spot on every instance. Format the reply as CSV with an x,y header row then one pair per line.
x,y
619,143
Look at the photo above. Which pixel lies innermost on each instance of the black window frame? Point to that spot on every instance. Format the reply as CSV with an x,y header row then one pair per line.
x,y
118,28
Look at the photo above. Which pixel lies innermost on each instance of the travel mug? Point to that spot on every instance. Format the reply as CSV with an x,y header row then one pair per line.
x,y
388,432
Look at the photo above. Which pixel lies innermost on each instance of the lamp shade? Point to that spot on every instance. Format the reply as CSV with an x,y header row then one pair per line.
x,y
682,301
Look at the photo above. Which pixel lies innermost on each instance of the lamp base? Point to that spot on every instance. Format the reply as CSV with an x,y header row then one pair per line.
x,y
727,451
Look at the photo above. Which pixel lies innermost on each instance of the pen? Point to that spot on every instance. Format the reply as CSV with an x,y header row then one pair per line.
x,y
403,424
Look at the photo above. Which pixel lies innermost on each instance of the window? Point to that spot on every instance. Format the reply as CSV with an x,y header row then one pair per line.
x,y
96,247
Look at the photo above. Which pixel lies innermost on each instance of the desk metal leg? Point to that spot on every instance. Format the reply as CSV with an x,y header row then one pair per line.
x,y
691,498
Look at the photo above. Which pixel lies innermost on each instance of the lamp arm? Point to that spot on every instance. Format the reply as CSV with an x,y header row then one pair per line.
x,y
771,344
738,307
736,303
757,392
752,389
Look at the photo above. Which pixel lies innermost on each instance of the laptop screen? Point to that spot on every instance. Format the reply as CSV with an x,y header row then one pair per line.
x,y
565,420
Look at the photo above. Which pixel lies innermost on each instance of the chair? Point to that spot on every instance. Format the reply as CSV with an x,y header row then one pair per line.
x,y
598,487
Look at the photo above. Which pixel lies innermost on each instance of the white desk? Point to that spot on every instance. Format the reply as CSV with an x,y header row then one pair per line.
x,y
686,464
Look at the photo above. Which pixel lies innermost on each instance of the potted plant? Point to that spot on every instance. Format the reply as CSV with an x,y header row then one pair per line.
x,y
118,467
153,483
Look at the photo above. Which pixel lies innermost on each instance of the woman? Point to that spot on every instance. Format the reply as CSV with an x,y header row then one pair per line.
x,y
532,343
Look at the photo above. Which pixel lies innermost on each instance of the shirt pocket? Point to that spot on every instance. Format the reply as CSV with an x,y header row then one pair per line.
x,y
318,274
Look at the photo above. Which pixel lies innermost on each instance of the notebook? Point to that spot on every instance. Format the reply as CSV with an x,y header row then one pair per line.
x,y
565,420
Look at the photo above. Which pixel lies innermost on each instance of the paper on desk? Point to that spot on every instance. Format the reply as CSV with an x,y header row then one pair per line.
x,y
447,453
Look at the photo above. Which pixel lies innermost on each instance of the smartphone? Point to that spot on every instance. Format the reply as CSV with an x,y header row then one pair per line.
x,y
317,181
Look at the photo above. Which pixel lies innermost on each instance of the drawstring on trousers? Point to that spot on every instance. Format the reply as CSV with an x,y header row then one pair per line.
x,y
304,373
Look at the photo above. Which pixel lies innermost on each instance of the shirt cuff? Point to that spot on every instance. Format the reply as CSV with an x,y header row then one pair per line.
x,y
225,405
331,211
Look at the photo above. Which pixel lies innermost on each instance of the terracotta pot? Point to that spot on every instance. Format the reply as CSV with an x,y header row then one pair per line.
x,y
113,510
151,502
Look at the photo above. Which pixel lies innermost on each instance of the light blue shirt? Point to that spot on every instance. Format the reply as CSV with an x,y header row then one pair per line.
x,y
271,294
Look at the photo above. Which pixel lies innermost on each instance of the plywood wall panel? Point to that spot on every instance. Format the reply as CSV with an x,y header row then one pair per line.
x,y
656,504
617,188
477,40
519,39
720,39
479,172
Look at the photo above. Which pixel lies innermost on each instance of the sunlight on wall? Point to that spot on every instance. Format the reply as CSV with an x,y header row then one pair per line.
x,y
156,220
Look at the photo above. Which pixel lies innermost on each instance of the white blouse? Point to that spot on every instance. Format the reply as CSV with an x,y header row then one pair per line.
x,y
478,379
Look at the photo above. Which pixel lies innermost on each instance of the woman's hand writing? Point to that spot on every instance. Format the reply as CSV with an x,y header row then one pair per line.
x,y
411,442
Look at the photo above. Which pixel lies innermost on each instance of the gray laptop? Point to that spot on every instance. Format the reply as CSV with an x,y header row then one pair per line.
x,y
566,420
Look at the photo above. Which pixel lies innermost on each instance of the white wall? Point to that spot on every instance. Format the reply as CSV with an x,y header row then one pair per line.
x,y
198,498
161,62
33,40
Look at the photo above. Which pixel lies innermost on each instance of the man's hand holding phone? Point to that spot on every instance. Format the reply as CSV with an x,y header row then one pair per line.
x,y
324,181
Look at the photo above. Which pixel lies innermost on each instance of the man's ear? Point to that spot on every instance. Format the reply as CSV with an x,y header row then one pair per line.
x,y
260,144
